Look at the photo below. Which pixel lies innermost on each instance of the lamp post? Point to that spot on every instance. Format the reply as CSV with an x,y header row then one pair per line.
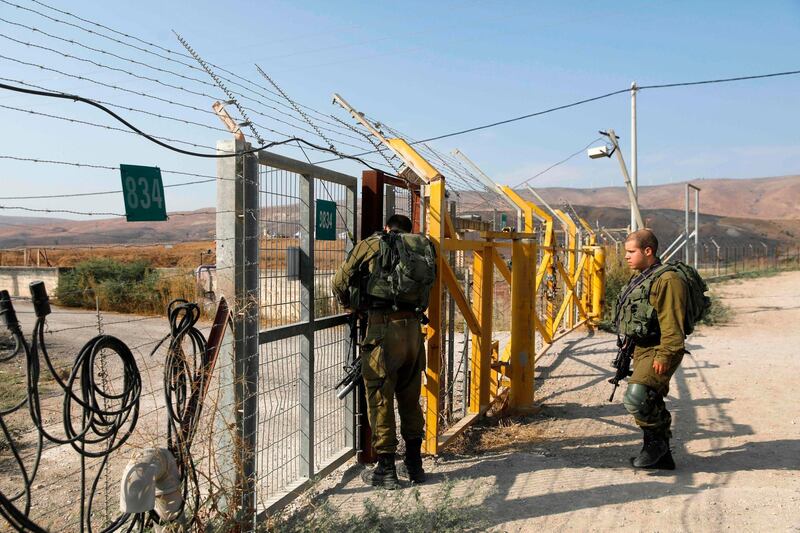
x,y
603,151
634,151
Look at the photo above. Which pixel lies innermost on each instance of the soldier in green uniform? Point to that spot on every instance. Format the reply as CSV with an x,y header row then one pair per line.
x,y
659,350
392,351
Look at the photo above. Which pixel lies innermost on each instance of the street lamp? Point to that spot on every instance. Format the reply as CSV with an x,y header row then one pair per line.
x,y
598,152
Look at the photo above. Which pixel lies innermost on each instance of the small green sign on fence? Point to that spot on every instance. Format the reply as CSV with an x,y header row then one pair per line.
x,y
326,221
144,193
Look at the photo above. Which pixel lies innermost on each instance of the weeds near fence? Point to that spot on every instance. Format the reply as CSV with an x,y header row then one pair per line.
x,y
719,313
403,510
133,287
617,276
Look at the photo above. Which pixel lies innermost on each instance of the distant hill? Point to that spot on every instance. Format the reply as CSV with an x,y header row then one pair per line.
x,y
763,198
747,211
17,232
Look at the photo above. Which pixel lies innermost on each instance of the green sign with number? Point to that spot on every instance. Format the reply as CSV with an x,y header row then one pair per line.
x,y
326,221
144,193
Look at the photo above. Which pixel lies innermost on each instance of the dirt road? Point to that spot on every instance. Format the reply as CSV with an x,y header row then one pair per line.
x,y
736,426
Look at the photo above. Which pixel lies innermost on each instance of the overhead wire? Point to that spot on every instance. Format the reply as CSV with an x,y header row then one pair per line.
x,y
155,139
72,41
429,139
561,162
608,95
161,56
242,109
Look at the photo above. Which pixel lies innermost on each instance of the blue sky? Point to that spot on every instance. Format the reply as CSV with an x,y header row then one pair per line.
x,y
425,68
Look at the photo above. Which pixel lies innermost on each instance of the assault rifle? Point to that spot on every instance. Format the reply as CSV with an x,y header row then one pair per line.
x,y
352,370
622,362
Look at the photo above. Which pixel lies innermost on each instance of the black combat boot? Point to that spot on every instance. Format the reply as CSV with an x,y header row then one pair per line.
x,y
666,462
411,467
384,474
655,448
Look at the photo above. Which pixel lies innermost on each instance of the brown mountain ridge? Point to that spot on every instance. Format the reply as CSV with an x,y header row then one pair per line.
x,y
731,209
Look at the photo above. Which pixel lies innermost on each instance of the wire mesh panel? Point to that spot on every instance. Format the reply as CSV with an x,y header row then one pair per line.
x,y
278,448
333,418
397,200
303,428
279,250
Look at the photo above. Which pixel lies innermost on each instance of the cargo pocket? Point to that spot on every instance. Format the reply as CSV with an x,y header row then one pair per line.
x,y
373,363
375,396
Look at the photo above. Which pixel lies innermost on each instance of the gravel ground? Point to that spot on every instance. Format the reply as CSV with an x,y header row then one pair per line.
x,y
736,426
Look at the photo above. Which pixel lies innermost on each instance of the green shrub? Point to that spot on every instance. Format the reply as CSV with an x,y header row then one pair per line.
x,y
124,287
718,313
617,276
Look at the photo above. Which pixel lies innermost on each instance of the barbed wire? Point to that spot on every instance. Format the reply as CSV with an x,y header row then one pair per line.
x,y
169,58
158,139
104,167
97,213
102,126
259,96
98,193
163,100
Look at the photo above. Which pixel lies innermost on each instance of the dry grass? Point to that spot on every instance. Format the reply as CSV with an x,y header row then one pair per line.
x,y
188,254
158,256
498,434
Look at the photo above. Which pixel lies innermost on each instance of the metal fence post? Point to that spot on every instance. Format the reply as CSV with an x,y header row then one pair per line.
x,y
351,414
307,203
451,331
372,189
237,265
686,228
465,387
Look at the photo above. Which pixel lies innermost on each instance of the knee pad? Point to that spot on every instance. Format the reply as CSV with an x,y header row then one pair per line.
x,y
642,402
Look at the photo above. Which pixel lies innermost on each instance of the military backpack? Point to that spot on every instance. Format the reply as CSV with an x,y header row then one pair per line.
x,y
403,272
634,315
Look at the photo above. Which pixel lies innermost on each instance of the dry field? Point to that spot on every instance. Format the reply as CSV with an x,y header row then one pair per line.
x,y
188,254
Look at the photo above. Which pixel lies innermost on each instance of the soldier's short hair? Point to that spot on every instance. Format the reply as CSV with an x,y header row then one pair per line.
x,y
644,238
401,222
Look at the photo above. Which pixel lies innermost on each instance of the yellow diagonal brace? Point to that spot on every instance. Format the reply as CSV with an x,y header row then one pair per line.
x,y
546,258
413,160
564,306
570,282
537,323
449,278
501,266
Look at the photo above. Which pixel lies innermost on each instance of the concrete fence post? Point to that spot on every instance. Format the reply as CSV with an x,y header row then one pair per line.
x,y
237,268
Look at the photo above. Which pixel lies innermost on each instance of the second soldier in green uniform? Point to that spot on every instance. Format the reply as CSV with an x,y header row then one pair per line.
x,y
652,309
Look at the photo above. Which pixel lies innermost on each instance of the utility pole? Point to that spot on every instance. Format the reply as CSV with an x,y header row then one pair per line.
x,y
636,216
634,162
